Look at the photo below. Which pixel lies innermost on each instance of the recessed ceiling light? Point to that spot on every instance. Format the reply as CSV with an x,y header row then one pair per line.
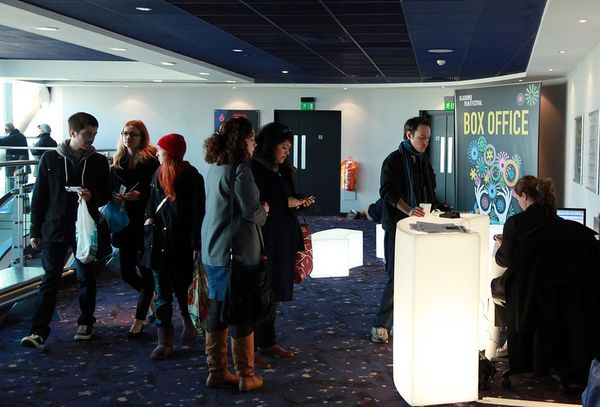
x,y
230,81
46,28
141,8
550,69
583,20
345,88
117,49
237,50
203,73
520,80
157,80
233,87
202,79
440,50
168,63
285,71
562,51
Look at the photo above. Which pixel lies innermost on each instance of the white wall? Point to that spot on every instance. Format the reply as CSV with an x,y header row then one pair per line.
x,y
372,119
583,97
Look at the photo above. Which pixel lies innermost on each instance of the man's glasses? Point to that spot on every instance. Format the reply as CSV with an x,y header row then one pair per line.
x,y
130,133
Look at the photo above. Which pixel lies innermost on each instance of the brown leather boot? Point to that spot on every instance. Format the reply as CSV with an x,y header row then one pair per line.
x,y
165,343
216,357
189,335
243,359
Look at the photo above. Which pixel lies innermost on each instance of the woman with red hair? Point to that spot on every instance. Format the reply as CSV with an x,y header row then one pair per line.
x,y
131,173
173,217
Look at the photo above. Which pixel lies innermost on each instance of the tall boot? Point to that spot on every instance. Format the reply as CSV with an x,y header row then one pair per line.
x,y
243,359
189,335
165,343
216,357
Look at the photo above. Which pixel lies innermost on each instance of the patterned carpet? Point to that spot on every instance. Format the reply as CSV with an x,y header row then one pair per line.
x,y
327,324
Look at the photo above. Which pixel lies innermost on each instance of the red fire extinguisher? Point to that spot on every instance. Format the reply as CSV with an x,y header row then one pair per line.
x,y
348,174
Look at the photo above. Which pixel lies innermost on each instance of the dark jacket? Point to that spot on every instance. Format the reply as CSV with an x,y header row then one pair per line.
x,y
552,295
44,140
394,186
53,209
281,232
139,179
177,222
15,139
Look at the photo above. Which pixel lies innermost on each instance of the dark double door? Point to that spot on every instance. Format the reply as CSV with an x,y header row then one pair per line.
x,y
316,152
441,154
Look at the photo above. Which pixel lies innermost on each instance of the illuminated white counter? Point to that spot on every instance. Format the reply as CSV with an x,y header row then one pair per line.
x,y
436,311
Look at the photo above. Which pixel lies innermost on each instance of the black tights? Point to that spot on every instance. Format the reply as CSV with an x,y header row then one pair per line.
x,y
214,322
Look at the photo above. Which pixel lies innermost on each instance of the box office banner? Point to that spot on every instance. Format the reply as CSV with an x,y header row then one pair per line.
x,y
497,143
223,114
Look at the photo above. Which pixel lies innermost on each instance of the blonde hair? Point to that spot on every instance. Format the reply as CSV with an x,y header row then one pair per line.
x,y
121,160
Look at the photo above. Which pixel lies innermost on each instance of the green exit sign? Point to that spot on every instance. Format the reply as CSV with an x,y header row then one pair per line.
x,y
307,105
448,105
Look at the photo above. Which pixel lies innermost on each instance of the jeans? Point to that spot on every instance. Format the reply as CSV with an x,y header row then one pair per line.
x,y
53,261
166,283
385,314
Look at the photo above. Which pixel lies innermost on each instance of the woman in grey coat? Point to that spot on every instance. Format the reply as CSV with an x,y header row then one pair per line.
x,y
228,151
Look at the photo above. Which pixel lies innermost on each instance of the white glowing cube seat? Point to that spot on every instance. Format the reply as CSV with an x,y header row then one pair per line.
x,y
379,233
336,251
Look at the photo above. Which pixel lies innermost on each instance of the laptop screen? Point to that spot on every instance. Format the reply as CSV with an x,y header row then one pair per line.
x,y
575,214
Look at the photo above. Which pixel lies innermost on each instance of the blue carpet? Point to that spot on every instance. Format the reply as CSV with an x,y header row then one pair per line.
x,y
327,324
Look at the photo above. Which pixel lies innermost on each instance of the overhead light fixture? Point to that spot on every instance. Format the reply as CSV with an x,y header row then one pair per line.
x,y
117,49
168,63
237,50
562,51
345,88
285,71
583,20
141,8
441,62
440,50
46,28
230,81
157,80
520,80
203,73
233,87
550,69
202,79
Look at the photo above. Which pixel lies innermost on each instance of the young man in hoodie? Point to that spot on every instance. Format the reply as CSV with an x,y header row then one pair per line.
x,y
75,163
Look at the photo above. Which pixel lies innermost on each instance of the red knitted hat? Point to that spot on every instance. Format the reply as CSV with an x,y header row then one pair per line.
x,y
173,144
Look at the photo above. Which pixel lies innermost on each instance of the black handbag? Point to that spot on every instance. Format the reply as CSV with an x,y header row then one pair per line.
x,y
248,297
151,257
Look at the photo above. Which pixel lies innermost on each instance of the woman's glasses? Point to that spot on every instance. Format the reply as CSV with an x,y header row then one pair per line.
x,y
130,133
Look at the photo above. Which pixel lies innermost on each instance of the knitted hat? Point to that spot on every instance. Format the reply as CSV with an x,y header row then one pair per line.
x,y
44,128
173,144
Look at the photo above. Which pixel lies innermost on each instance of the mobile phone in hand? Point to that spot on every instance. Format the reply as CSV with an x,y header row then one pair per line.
x,y
74,189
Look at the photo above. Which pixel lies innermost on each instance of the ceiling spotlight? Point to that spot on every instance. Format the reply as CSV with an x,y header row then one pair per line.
x,y
520,80
550,69
562,51
441,62
285,71
168,63
203,73
237,50
233,87
345,88
157,80
46,28
583,20
440,50
143,8
202,79
117,49
230,81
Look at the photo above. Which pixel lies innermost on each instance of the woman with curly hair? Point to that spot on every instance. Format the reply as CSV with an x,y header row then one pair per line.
x,y
226,229
131,173
174,216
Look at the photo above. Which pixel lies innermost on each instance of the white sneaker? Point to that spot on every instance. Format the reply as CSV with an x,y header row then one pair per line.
x,y
379,334
33,341
84,332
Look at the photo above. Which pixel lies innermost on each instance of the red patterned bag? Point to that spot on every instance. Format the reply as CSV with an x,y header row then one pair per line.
x,y
304,259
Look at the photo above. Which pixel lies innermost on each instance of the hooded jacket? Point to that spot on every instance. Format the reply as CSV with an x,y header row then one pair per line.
x,y
53,209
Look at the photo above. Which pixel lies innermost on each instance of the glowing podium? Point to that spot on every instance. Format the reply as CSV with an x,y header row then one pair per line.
x,y
436,312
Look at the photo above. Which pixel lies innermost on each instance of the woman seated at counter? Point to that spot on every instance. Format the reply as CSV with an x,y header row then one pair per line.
x,y
551,288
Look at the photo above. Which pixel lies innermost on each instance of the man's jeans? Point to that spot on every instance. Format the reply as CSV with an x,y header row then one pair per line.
x,y
385,315
53,261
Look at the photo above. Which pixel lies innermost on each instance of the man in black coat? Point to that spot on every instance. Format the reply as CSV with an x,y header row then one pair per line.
x,y
13,138
44,140
75,163
407,179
